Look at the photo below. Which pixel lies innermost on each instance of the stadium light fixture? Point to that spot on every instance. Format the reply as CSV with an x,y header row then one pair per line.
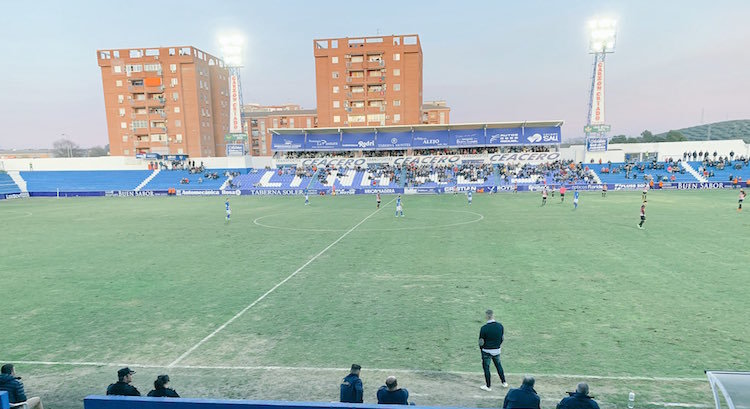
x,y
231,49
602,35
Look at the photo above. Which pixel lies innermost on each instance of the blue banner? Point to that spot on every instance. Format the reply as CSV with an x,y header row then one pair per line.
x,y
465,138
430,139
323,142
393,140
357,141
540,136
596,144
504,136
288,142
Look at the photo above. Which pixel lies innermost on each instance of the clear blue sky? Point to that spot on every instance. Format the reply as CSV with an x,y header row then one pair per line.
x,y
491,60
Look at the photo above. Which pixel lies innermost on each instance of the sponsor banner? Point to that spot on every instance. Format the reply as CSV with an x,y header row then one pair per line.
x,y
596,145
133,193
65,194
438,160
207,192
541,136
393,140
19,195
704,185
504,136
597,102
235,108
358,141
288,142
465,138
427,160
524,157
430,139
323,142
235,149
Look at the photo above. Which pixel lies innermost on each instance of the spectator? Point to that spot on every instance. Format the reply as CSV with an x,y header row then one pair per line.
x,y
579,399
161,388
12,384
391,394
351,388
524,397
490,340
123,386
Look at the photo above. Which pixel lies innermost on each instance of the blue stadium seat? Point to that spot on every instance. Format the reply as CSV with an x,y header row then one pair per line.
x,y
7,185
83,181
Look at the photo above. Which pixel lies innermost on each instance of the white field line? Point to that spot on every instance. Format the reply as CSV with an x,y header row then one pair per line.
x,y
681,405
332,369
289,277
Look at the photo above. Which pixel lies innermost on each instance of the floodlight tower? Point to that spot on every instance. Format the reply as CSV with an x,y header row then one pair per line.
x,y
231,50
602,36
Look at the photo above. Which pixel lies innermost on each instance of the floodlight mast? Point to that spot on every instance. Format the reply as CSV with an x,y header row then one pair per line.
x,y
231,50
602,37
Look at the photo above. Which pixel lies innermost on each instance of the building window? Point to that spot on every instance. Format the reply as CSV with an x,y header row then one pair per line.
x,y
442,117
358,58
117,69
335,89
291,122
396,118
175,96
177,123
396,57
334,60
396,102
336,119
173,67
126,152
180,151
309,122
396,72
336,104
356,118
120,98
178,138
122,111
176,110
125,138
275,122
334,74
118,83
358,104
152,67
357,90
173,81
375,117
124,125
397,87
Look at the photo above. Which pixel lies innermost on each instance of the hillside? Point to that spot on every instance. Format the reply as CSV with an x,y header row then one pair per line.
x,y
737,129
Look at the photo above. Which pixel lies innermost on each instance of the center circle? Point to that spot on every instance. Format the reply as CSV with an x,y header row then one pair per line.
x,y
476,218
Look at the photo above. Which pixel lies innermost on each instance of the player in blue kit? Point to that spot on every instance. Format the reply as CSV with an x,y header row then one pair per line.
x,y
399,209
468,196
575,200
229,209
307,197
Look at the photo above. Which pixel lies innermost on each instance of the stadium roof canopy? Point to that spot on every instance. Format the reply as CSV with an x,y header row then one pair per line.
x,y
407,128
734,387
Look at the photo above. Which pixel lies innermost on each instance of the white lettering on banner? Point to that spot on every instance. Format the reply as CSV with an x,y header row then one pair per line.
x,y
235,110
597,105
438,160
525,157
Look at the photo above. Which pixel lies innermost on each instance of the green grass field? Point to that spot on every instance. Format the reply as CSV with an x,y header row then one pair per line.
x,y
92,284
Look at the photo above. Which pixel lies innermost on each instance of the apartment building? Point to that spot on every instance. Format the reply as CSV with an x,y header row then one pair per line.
x,y
260,119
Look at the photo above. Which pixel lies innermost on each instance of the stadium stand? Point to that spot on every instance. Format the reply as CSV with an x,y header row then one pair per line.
x,y
187,180
7,185
83,181
723,170
635,172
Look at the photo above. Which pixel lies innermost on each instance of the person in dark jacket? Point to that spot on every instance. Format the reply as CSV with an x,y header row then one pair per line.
x,y
391,394
123,386
524,397
161,388
351,387
490,340
12,384
579,399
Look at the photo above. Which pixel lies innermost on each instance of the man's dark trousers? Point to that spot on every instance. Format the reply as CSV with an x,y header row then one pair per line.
x,y
486,359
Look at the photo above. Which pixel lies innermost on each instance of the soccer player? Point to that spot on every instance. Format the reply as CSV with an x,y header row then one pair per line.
x,y
229,209
544,196
399,208
643,215
645,191
468,196
515,187
562,193
575,199
377,198
604,190
307,197
742,197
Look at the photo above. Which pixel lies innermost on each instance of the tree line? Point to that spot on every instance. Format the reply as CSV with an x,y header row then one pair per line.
x,y
65,148
647,136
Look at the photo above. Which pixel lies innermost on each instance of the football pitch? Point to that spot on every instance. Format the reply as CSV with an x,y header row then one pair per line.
x,y
281,300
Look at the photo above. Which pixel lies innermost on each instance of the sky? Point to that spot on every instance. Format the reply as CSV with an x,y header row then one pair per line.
x,y
676,63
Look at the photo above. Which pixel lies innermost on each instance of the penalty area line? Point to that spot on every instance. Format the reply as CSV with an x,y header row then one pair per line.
x,y
259,299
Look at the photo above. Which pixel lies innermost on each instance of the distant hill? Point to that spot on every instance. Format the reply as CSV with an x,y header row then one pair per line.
x,y
738,129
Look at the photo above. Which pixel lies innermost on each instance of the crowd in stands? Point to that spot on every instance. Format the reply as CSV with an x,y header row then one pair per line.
x,y
415,152
560,172
718,163
652,170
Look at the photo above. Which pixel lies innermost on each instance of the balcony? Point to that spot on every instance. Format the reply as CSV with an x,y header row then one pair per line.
x,y
155,102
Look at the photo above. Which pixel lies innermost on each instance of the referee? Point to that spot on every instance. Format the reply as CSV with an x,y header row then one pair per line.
x,y
490,339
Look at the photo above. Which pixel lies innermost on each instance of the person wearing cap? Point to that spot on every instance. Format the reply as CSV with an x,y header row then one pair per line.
x,y
351,387
12,384
161,388
391,394
123,386
579,399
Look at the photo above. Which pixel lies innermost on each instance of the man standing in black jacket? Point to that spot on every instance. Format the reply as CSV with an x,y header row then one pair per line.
x,y
490,340
12,384
123,386
524,397
351,387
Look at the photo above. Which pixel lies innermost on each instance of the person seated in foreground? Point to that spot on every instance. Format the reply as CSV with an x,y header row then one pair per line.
x,y
12,384
391,394
579,399
524,397
161,388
